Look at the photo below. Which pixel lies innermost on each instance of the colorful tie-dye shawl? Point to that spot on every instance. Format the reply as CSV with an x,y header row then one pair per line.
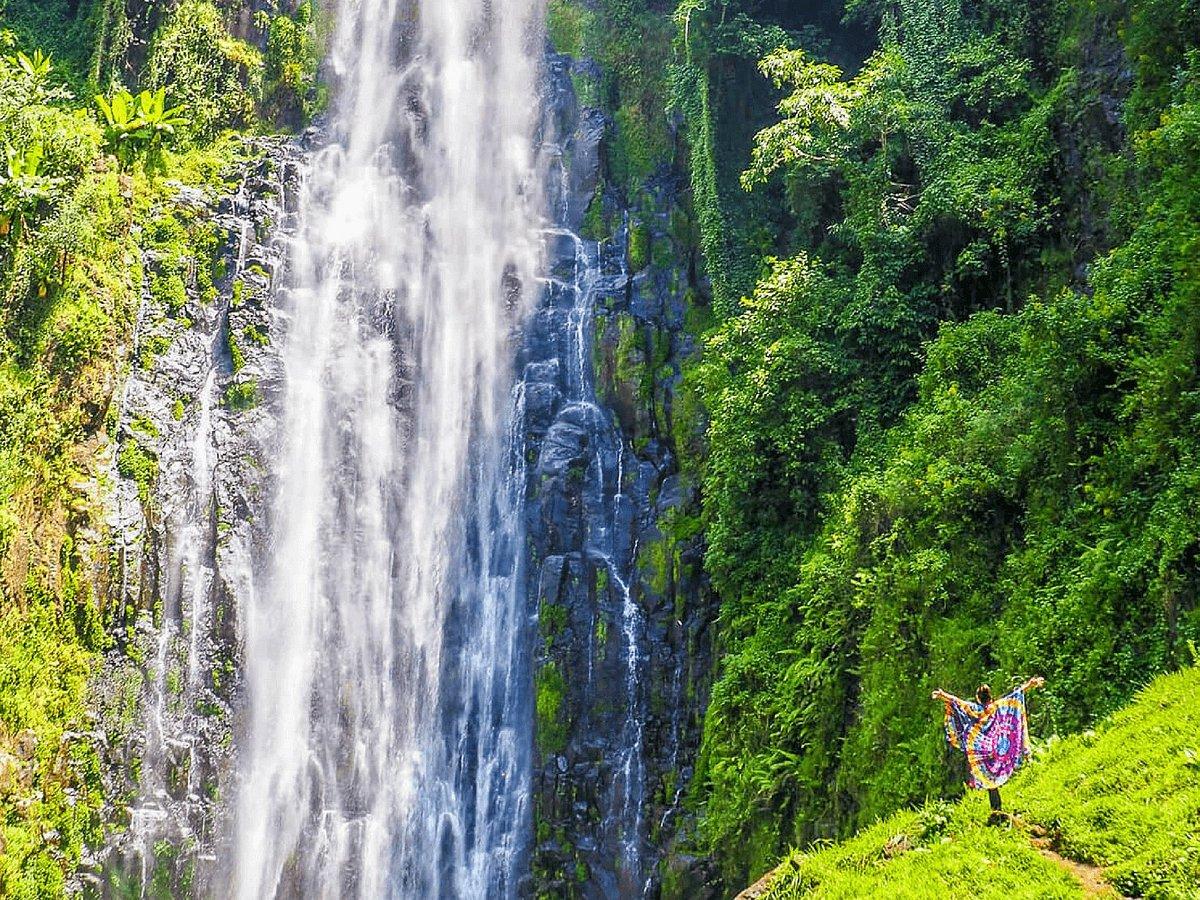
x,y
995,740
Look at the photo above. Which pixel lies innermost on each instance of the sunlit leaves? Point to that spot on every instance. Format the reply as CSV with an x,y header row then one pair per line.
x,y
139,126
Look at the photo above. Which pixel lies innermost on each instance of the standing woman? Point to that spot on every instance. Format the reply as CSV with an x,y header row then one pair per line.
x,y
993,734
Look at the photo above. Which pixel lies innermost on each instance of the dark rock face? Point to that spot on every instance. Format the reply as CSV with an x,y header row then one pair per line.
x,y
194,429
615,555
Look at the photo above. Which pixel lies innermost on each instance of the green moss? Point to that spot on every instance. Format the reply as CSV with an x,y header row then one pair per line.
x,y
664,256
141,466
167,288
152,347
552,619
170,877
237,358
208,709
630,371
599,352
242,396
639,145
639,245
596,226
566,25
656,558
222,673
254,335
144,426
550,689
587,90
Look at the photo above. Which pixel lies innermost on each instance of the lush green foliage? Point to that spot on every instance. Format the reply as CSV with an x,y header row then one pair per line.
x,y
1123,796
48,26
67,291
630,43
73,230
216,77
712,51
952,434
139,125
291,94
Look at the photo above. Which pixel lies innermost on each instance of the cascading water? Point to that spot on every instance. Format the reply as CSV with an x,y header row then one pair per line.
x,y
607,537
386,746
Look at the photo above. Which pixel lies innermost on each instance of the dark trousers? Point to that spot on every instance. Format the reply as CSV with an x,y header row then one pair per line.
x,y
994,799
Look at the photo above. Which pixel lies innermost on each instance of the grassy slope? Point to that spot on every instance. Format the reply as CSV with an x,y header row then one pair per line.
x,y
1125,796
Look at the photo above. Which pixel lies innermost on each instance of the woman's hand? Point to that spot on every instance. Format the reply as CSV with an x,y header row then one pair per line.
x,y
1035,682
939,694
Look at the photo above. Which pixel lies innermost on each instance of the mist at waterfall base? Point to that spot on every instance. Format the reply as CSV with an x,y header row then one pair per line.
x,y
386,749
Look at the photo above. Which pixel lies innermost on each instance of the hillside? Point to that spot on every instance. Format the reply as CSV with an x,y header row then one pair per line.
x,y
1122,797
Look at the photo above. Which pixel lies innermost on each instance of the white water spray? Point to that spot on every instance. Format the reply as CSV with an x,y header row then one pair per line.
x,y
386,750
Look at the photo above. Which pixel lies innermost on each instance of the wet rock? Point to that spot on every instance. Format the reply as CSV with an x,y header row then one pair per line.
x,y
181,529
623,605
26,744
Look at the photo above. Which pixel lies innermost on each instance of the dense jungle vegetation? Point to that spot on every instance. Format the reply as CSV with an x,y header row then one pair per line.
x,y
952,395
948,294
88,176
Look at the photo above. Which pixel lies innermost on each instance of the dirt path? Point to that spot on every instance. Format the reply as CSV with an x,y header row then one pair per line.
x,y
1090,878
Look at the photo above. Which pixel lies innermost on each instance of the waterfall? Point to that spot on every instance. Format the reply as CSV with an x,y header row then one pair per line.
x,y
385,747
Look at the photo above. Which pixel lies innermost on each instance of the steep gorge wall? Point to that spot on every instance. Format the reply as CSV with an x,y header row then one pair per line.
x,y
615,567
194,433
615,580
615,552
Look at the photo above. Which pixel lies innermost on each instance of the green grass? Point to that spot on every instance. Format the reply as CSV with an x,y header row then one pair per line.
x,y
1127,795
931,853
1124,797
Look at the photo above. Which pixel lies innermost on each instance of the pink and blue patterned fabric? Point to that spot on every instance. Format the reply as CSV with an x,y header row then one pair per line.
x,y
994,739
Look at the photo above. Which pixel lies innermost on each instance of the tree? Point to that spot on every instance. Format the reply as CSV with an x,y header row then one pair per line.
x,y
141,125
